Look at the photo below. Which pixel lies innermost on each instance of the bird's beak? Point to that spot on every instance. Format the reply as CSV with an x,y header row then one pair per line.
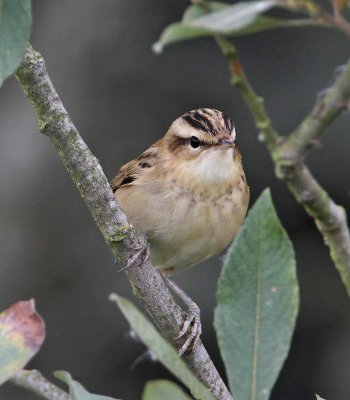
x,y
225,144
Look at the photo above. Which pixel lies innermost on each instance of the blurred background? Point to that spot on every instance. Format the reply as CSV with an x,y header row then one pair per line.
x,y
122,97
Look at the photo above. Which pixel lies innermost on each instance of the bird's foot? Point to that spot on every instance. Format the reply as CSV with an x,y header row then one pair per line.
x,y
192,321
191,326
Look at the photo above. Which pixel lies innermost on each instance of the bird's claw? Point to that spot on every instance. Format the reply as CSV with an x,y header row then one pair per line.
x,y
192,326
141,256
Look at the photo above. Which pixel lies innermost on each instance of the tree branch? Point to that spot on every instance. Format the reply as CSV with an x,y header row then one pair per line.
x,y
34,382
329,217
120,236
287,154
323,113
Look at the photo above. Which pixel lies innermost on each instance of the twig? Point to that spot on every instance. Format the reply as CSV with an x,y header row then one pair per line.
x,y
325,110
287,155
254,102
318,14
336,21
124,242
35,382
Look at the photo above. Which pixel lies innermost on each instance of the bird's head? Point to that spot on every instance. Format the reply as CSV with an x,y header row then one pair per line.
x,y
205,139
201,131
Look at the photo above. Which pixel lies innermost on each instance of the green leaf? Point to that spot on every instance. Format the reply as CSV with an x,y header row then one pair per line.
x,y
76,390
233,18
257,303
196,11
15,25
180,31
233,21
22,332
166,354
163,389
318,397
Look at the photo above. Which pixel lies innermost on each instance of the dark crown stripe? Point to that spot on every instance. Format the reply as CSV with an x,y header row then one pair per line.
x,y
199,121
228,122
206,121
194,123
209,121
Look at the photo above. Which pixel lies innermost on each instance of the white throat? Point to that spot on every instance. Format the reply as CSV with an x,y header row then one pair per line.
x,y
214,166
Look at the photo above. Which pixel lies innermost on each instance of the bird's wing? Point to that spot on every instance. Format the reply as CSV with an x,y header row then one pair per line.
x,y
133,170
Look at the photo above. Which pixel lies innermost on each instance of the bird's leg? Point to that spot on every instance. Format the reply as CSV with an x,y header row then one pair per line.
x,y
192,322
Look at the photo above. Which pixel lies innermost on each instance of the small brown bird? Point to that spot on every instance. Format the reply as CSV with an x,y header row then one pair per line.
x,y
189,195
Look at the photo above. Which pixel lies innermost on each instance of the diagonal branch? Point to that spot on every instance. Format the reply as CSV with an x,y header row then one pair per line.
x,y
324,112
87,174
330,218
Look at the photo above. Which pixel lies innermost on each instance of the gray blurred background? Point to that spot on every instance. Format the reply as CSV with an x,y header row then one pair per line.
x,y
122,98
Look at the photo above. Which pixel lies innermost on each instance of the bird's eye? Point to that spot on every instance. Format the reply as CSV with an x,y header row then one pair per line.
x,y
194,142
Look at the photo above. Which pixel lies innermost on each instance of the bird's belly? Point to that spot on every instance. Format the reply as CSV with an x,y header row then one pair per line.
x,y
182,230
193,232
